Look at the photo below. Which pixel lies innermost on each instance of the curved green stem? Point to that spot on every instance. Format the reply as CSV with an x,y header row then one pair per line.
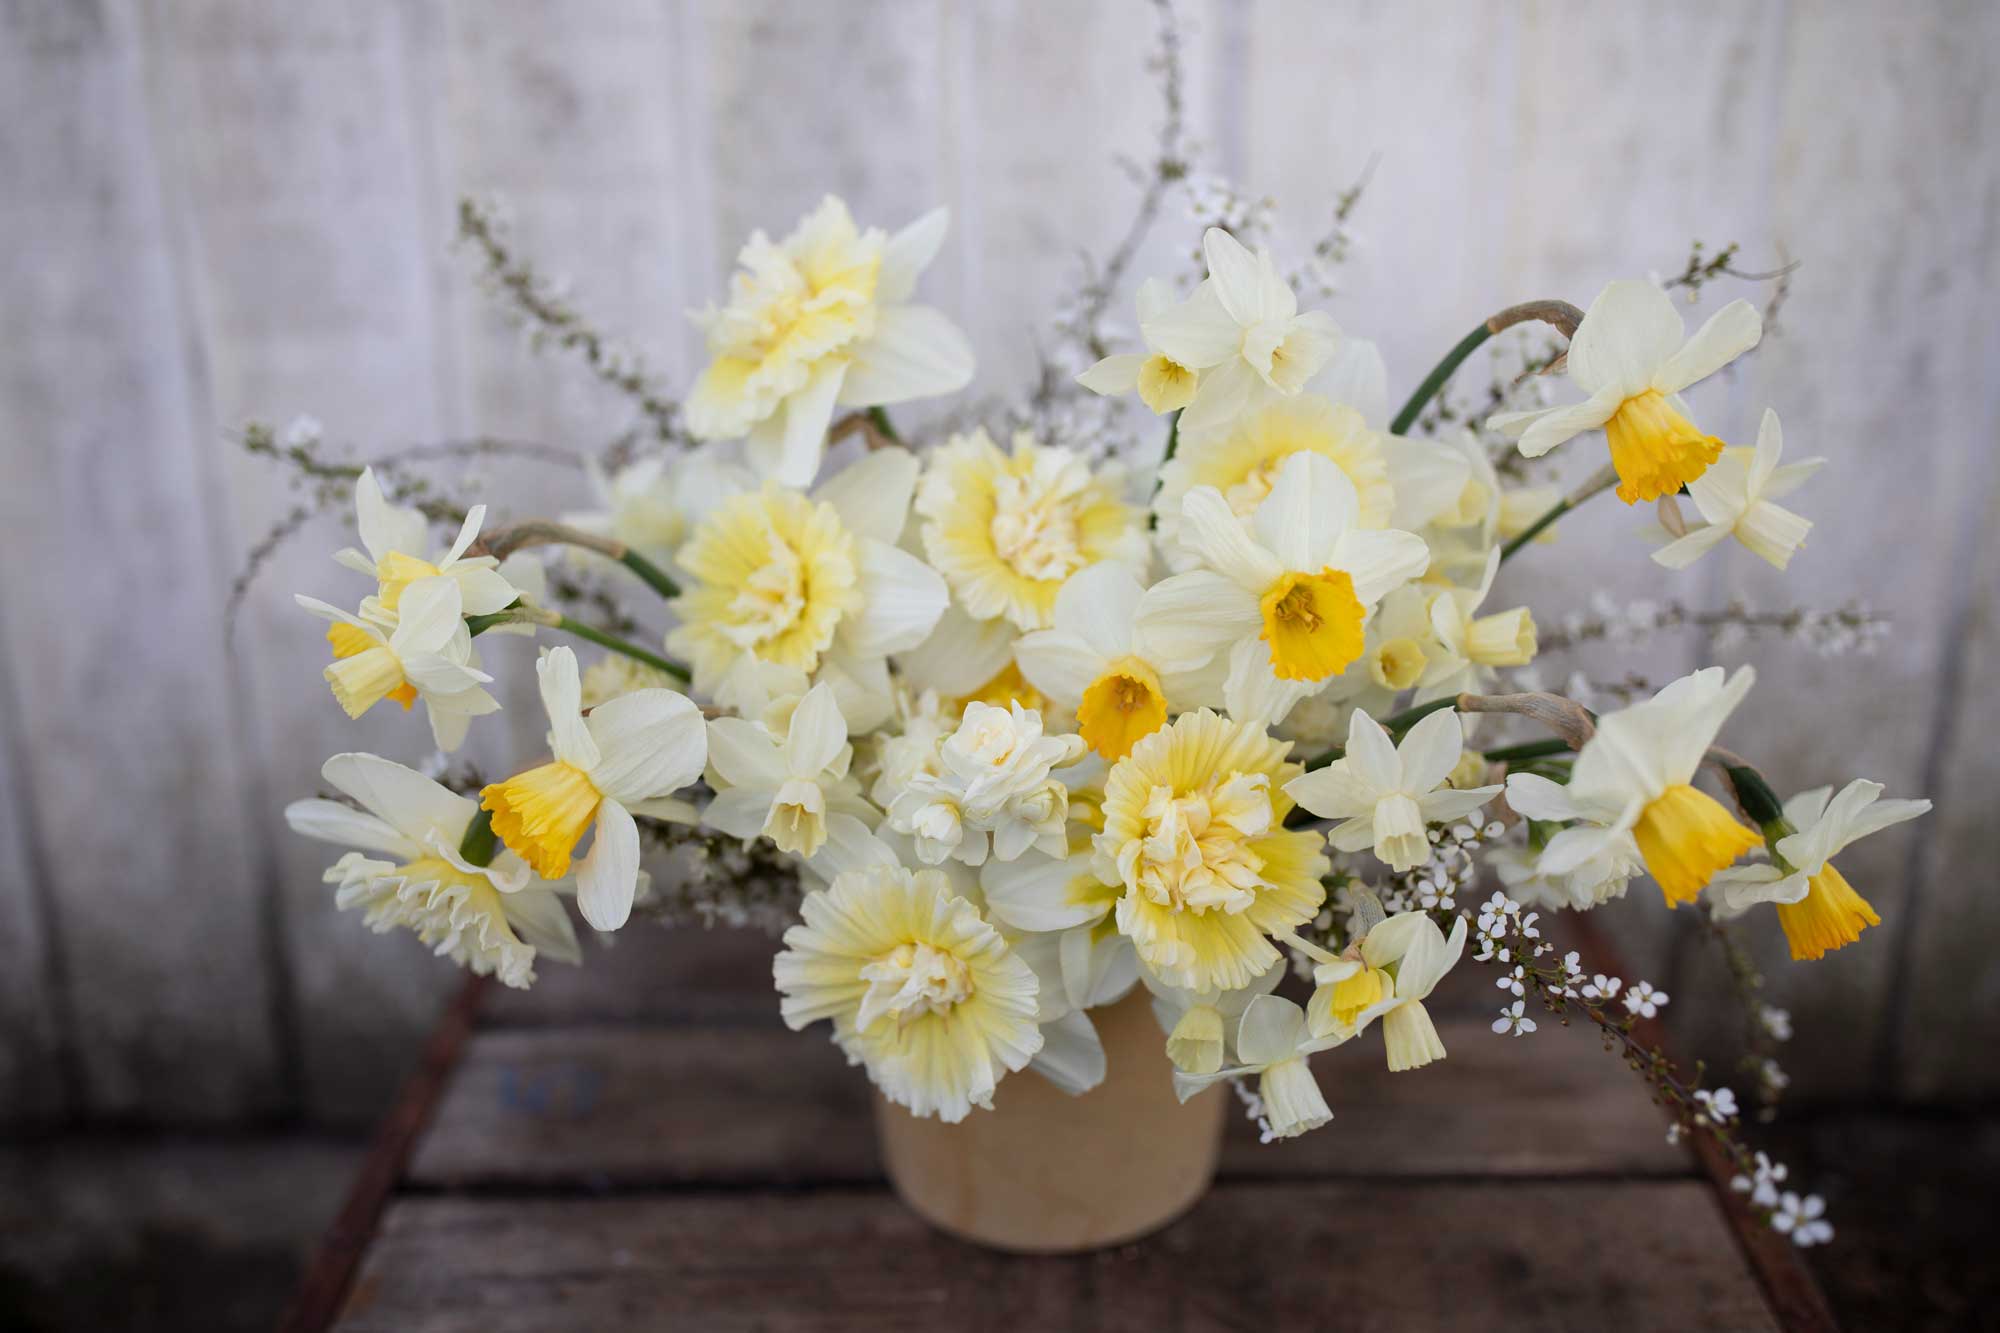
x,y
1434,381
1173,443
1533,530
882,423
1528,750
655,577
618,645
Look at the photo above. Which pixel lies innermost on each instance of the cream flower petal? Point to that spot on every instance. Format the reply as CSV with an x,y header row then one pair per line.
x,y
1312,502
787,446
1273,1029
1379,560
1430,750
908,253
344,826
1045,893
538,918
650,742
1684,551
403,798
384,527
741,812
1197,333
1628,332
1187,618
1535,797
1357,377
427,617
468,531
608,877
1060,665
1072,1055
743,753
1728,334
1247,284
1098,605
1539,432
872,494
1114,374
916,353
817,733
902,598
1211,530
1371,755
562,699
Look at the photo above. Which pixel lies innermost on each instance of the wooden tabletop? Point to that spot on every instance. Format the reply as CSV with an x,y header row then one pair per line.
x,y
642,1146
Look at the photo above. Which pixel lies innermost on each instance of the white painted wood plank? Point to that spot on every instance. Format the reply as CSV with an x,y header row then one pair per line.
x,y
128,724
1889,199
290,138
34,1085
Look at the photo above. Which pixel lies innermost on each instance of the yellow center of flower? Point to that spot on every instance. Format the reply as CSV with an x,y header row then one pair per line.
x,y
770,574
1165,384
541,814
1686,836
1121,707
1008,686
395,572
1655,449
364,671
1397,664
1830,916
1353,994
912,980
1313,624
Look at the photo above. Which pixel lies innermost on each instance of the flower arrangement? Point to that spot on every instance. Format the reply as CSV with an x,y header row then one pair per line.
x,y
1186,676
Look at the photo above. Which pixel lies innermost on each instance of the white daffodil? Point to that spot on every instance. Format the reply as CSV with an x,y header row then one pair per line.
x,y
1818,908
919,987
1243,330
492,918
650,504
1163,384
1385,794
1006,531
783,791
990,777
1398,482
1095,664
1469,646
394,537
1634,778
1396,966
1588,884
1736,496
1049,894
815,583
1274,1043
821,319
1201,1024
1290,596
626,758
427,654
1632,356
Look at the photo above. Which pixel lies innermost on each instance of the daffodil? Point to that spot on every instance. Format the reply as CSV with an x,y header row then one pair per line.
x,y
989,779
1163,384
1242,329
815,582
1398,482
1049,893
1590,883
920,988
1818,908
1201,1025
1006,531
1467,646
819,319
493,918
1290,594
783,791
1194,832
1737,497
1274,1043
1385,794
1635,776
1632,355
1095,664
627,757
1395,967
395,537
426,654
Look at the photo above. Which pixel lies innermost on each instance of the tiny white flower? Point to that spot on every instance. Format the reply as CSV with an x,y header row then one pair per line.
x,y
1802,1219
1717,1105
1776,1021
1642,999
1514,1021
1385,794
1601,987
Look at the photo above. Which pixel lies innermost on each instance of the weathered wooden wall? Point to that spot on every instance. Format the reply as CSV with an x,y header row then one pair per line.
x,y
213,210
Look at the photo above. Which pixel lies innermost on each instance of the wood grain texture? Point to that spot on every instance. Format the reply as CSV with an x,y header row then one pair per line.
x,y
132,751
1632,1256
711,1105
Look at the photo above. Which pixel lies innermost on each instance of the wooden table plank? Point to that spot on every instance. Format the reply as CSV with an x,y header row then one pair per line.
x,y
1358,1255
755,1104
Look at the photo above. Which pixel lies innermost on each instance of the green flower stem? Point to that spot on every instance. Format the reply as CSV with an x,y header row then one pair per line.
x,y
655,577
618,645
479,843
1533,530
1395,726
882,423
1434,381
1530,750
1159,477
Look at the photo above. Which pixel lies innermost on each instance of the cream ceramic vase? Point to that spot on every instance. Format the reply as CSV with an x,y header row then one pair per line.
x,y
1047,1173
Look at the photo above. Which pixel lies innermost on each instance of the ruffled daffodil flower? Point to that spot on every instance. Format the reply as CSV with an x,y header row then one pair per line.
x,y
1632,355
1386,795
625,758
